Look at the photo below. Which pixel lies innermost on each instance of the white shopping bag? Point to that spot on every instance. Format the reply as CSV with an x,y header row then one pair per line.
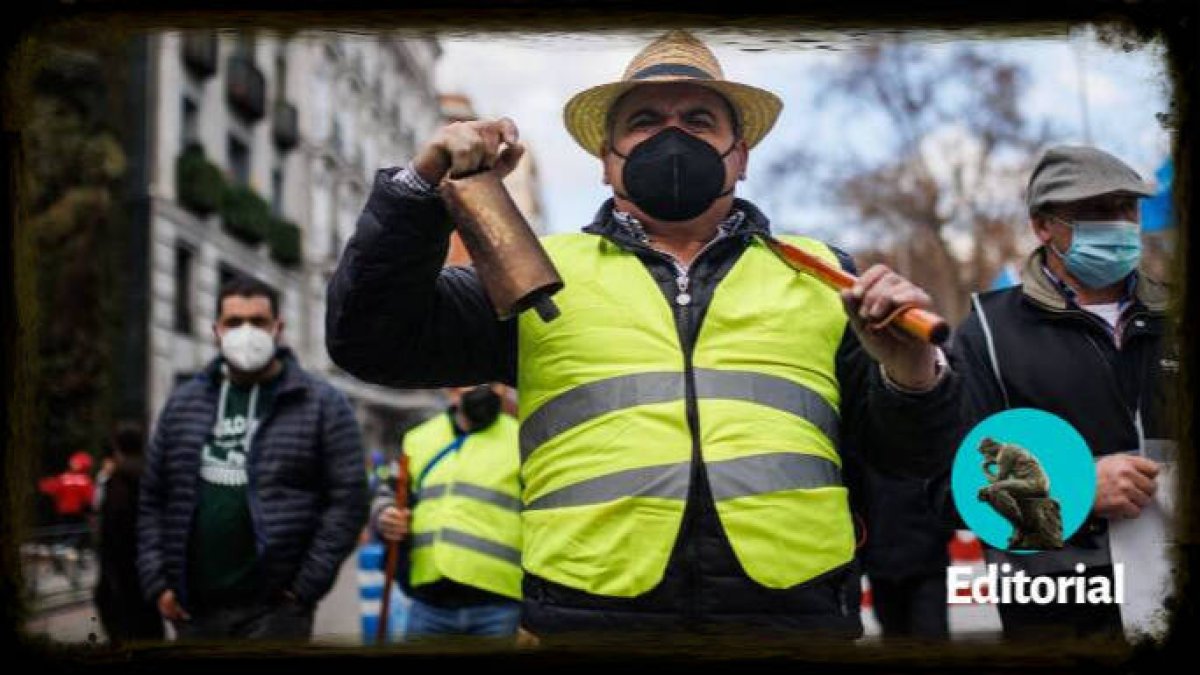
x,y
1144,546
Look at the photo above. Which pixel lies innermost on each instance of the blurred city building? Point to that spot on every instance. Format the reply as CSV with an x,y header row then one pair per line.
x,y
523,183
259,153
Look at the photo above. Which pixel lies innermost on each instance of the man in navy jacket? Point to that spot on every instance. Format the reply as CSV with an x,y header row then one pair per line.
x,y
254,491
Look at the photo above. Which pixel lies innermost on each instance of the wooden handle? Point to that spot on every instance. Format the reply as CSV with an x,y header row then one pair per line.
x,y
393,553
917,322
402,484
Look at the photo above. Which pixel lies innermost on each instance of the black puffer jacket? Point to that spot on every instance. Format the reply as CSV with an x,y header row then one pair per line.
x,y
396,318
905,538
308,489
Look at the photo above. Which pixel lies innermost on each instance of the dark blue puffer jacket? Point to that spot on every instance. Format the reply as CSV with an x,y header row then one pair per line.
x,y
308,487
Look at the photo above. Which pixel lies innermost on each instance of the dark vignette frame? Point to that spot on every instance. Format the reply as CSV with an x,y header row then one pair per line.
x,y
1175,22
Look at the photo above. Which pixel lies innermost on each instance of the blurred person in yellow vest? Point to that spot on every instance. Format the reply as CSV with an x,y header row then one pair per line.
x,y
461,534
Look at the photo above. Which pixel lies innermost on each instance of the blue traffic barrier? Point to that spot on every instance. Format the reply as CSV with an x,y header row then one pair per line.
x,y
370,593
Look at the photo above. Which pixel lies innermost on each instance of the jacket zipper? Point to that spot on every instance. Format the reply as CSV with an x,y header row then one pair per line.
x,y
1110,366
260,544
1114,383
683,301
682,313
252,493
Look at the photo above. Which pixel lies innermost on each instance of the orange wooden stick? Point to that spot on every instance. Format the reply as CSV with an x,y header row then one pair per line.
x,y
917,322
393,552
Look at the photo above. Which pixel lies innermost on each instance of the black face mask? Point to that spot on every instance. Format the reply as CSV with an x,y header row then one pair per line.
x,y
673,175
480,406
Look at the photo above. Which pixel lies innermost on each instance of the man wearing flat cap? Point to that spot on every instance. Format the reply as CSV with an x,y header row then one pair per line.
x,y
683,423
1085,337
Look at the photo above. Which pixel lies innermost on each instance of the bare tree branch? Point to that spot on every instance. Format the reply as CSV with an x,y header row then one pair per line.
x,y
946,195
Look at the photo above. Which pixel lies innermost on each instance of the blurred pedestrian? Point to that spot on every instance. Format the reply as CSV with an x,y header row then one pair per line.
x,y
124,614
108,465
73,491
905,556
254,491
461,555
378,470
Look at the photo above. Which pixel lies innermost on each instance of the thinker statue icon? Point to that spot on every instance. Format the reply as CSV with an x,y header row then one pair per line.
x,y
1019,490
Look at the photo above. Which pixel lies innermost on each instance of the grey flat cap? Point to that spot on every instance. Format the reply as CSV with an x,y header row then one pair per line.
x,y
1068,173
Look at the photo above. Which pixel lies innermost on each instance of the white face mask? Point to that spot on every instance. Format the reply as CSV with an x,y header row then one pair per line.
x,y
247,348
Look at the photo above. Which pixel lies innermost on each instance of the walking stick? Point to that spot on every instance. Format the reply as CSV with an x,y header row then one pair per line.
x,y
393,552
917,322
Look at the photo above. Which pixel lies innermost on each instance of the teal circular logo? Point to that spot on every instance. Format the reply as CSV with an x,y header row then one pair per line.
x,y
1024,480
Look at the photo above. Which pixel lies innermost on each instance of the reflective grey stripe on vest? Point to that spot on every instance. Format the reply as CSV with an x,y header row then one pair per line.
x,y
486,495
432,492
771,391
470,542
774,472
576,406
591,400
667,481
760,474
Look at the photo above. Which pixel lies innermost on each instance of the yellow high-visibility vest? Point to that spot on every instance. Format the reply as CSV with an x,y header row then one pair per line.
x,y
606,443
466,522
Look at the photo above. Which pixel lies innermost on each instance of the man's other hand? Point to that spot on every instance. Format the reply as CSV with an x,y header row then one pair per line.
x,y
394,523
1125,484
169,607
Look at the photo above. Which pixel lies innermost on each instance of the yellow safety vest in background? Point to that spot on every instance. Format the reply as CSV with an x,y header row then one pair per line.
x,y
606,444
466,525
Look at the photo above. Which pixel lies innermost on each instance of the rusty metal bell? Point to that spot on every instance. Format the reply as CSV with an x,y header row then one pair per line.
x,y
515,270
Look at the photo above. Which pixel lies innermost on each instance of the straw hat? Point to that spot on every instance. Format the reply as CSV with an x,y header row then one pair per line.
x,y
675,57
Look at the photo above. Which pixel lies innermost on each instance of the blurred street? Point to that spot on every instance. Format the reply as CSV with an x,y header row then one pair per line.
x,y
338,622
69,616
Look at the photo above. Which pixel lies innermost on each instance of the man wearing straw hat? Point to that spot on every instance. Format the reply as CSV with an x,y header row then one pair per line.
x,y
684,421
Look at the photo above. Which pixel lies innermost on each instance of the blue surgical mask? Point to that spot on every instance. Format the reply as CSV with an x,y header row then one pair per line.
x,y
1102,252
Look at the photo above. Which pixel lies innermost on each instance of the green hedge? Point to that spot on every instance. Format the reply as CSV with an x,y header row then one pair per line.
x,y
198,182
284,238
245,214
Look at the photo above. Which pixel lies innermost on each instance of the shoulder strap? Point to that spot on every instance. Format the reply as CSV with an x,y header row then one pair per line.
x,y
991,347
437,459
